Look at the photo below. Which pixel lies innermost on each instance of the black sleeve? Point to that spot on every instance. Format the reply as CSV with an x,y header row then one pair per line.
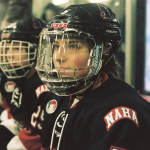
x,y
1,77
2,82
127,130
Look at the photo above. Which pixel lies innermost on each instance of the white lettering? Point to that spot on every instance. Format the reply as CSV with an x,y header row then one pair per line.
x,y
111,31
126,112
109,119
117,114
59,125
120,113
57,133
41,89
134,117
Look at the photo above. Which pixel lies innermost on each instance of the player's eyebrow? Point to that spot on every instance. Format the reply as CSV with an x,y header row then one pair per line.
x,y
70,42
55,42
75,42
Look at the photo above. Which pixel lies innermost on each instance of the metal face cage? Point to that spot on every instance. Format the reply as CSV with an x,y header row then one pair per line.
x,y
67,59
16,58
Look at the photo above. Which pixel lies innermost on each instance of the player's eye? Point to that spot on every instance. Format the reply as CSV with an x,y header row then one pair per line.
x,y
55,47
73,47
17,49
6,49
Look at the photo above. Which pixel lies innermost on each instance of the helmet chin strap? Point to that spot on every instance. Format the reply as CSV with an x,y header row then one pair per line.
x,y
86,91
89,88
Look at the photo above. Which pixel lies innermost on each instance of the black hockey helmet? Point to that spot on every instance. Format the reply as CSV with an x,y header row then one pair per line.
x,y
94,23
19,35
96,19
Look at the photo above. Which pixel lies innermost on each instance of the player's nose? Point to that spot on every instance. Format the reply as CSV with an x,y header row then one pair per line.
x,y
10,54
60,55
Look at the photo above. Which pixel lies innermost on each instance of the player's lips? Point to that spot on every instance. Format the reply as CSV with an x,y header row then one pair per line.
x,y
61,68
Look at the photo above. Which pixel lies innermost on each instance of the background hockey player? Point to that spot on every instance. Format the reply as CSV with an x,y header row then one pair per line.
x,y
19,43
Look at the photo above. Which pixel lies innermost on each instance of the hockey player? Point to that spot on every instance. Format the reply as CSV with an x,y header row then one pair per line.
x,y
76,57
18,52
6,88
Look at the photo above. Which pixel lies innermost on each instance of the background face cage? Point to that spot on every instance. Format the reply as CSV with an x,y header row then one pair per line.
x,y
16,58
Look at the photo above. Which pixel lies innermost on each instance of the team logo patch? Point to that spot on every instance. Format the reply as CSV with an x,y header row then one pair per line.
x,y
120,113
105,13
51,106
9,86
116,148
59,25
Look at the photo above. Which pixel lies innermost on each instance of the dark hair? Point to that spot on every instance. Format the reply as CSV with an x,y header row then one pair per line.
x,y
113,69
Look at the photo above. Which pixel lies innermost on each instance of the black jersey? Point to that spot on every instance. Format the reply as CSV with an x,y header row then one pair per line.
x,y
6,88
26,98
111,117
27,108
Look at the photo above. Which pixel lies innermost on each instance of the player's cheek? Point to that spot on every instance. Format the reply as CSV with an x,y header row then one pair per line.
x,y
79,62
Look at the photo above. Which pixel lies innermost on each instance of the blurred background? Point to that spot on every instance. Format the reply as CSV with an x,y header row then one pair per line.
x,y
134,17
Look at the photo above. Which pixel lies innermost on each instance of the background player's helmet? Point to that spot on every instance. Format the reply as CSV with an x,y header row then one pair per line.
x,y
94,23
23,34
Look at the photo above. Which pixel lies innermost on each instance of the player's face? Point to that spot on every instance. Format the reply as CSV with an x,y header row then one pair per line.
x,y
16,56
70,55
